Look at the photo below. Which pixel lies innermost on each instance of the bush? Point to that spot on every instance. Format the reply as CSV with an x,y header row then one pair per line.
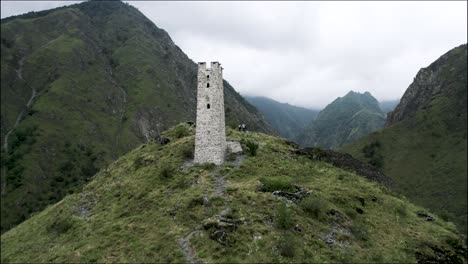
x,y
371,152
252,147
270,184
167,171
188,152
287,245
401,209
283,218
196,201
138,162
314,206
181,131
377,161
360,232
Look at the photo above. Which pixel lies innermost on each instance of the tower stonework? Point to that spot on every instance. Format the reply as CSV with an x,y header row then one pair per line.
x,y
210,135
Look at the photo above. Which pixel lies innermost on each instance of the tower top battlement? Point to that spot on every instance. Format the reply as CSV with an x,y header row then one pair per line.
x,y
213,64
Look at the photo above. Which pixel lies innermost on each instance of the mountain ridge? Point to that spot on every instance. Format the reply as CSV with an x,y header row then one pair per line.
x,y
423,147
285,118
100,79
344,120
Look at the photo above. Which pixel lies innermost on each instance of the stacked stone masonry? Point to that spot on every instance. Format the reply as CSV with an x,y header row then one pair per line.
x,y
210,136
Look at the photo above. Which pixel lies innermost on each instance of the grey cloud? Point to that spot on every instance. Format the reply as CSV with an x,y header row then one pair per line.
x,y
308,53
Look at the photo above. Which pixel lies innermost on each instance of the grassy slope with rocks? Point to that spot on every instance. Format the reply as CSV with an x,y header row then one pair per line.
x,y
105,80
425,152
344,121
288,120
152,206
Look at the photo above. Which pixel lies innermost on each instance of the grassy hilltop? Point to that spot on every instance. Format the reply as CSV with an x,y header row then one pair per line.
x,y
151,205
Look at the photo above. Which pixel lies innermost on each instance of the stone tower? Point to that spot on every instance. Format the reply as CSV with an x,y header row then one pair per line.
x,y
210,136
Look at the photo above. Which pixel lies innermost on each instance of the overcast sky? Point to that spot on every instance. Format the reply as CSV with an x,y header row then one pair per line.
x,y
306,53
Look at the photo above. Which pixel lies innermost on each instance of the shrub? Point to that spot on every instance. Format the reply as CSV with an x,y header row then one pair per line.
x,y
377,161
181,131
401,209
315,207
351,213
360,232
138,162
167,171
188,152
371,152
60,225
252,147
287,245
196,201
283,218
270,184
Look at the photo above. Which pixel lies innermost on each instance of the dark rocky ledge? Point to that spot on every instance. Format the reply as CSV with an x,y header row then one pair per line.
x,y
347,162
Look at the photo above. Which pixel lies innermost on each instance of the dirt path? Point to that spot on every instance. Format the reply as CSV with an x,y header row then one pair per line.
x,y
19,74
184,243
220,188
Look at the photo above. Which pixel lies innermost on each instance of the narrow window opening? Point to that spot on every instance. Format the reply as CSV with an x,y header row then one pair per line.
x,y
207,85
208,106
208,77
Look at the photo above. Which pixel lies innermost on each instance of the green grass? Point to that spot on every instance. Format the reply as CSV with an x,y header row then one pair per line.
x,y
133,215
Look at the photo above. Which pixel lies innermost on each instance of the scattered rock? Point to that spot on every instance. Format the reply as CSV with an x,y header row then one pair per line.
x,y
233,147
298,228
87,202
337,217
440,256
164,141
362,201
220,227
295,197
426,216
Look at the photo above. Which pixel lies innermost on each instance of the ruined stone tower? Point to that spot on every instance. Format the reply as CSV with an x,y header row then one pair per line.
x,y
210,137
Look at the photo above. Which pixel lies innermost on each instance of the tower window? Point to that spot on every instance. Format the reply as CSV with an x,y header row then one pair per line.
x,y
207,85
208,77
208,106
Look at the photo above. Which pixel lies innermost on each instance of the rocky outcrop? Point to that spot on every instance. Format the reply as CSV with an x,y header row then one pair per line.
x,y
347,162
427,84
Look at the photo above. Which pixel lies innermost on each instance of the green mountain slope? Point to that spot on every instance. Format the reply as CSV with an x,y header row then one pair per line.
x,y
288,120
343,121
277,206
424,147
82,85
